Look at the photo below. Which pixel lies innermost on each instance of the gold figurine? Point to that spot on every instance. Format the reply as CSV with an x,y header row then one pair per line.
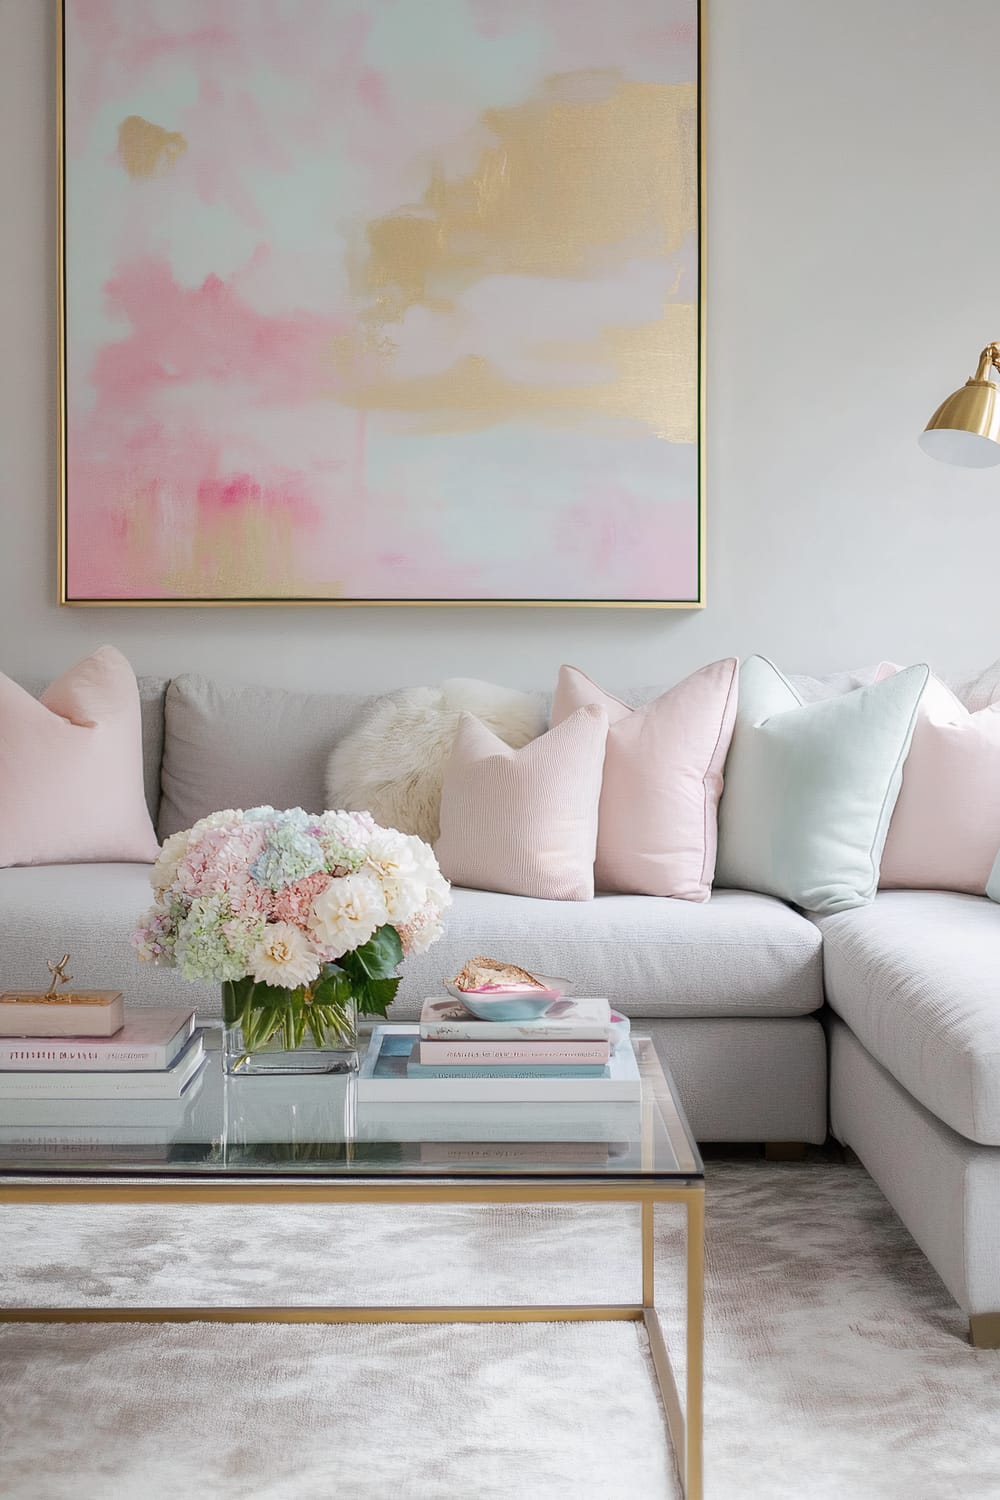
x,y
59,976
57,1010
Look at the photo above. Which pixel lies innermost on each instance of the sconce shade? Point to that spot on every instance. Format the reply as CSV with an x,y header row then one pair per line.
x,y
965,429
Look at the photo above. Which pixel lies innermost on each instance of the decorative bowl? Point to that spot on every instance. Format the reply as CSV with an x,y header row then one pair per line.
x,y
512,1005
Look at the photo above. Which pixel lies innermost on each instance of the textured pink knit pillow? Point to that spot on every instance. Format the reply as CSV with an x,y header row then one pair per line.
x,y
71,768
524,821
945,829
662,781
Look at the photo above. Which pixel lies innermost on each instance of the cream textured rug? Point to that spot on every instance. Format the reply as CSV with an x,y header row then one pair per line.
x,y
836,1362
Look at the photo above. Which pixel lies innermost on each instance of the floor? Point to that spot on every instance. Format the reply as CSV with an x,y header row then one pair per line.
x,y
836,1363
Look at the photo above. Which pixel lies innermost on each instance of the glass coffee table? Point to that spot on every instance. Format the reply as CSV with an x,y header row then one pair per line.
x,y
308,1140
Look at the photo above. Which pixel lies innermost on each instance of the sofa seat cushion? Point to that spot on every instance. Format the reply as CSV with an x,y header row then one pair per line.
x,y
89,912
738,954
735,955
916,976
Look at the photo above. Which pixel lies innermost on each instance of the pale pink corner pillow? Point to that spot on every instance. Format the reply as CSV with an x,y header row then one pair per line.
x,y
945,829
71,768
657,833
524,821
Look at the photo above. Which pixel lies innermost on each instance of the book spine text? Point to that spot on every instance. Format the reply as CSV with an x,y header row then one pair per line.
x,y
494,1053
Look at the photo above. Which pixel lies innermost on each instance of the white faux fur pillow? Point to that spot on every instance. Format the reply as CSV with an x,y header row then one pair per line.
x,y
393,763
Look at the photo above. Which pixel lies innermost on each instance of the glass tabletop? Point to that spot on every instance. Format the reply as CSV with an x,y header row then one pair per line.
x,y
314,1126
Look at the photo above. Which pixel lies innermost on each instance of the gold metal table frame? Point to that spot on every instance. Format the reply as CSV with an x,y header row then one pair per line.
x,y
684,1421
685,1424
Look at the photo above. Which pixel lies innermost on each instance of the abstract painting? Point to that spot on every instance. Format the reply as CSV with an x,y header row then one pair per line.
x,y
381,301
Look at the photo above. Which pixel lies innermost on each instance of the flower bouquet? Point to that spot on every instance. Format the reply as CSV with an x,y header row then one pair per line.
x,y
303,919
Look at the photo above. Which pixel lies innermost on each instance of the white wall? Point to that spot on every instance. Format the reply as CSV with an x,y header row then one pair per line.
x,y
853,275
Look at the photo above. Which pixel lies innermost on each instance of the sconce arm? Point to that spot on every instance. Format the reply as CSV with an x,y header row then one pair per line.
x,y
988,360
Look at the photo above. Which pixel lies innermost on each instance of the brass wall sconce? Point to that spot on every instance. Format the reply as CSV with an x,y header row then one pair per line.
x,y
965,429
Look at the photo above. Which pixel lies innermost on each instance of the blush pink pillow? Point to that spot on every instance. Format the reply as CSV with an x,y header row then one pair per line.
x,y
657,832
945,829
524,821
71,768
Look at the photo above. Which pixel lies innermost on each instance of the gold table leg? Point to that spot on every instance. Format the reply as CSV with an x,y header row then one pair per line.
x,y
695,1343
683,1422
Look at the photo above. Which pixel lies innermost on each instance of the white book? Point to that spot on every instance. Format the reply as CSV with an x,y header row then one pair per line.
x,y
149,1040
169,1083
445,1019
381,1120
127,1114
86,1140
383,1077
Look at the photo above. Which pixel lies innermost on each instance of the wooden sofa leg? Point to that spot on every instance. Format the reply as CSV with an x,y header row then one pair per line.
x,y
984,1330
784,1150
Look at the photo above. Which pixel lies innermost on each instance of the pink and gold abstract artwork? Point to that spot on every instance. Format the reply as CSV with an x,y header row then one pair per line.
x,y
381,300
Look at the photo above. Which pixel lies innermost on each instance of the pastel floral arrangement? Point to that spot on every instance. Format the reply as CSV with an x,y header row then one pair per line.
x,y
296,915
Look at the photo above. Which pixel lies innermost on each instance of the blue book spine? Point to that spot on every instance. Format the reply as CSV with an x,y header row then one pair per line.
x,y
510,1070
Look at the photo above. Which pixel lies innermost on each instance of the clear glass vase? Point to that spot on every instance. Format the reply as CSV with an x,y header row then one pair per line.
x,y
293,1033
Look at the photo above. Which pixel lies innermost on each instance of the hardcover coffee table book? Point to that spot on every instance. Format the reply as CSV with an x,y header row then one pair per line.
x,y
149,1039
316,1140
394,1071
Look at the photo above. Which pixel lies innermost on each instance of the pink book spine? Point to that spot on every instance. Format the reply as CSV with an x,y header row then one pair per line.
x,y
470,1054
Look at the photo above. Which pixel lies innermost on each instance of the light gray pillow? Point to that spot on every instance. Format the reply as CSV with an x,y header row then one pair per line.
x,y
237,746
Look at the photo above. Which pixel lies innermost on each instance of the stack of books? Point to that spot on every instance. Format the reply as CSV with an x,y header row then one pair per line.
x,y
153,1054
565,1055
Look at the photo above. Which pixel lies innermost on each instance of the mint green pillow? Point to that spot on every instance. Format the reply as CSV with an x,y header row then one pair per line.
x,y
993,884
810,787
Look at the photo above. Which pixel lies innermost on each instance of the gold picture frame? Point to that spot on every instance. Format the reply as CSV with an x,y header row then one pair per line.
x,y
65,597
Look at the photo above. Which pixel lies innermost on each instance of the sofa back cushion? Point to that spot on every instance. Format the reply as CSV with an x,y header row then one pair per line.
x,y
152,705
232,745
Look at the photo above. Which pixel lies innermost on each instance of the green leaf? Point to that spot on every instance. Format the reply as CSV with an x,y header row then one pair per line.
x,y
380,956
377,995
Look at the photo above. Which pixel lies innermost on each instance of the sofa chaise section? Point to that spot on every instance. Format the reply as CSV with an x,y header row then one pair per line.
x,y
914,981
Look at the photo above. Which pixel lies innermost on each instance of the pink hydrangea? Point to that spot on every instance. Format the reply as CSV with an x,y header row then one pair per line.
x,y
217,862
294,903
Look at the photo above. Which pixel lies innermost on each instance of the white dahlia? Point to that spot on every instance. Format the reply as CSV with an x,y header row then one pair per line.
x,y
399,863
348,913
284,956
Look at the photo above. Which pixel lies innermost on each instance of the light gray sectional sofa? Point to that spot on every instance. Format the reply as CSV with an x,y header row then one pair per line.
x,y
735,992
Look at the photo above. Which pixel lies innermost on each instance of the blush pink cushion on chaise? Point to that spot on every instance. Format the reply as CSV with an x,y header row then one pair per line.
x,y
945,829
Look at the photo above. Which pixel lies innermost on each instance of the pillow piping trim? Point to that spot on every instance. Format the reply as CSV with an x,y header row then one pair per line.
x,y
733,680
